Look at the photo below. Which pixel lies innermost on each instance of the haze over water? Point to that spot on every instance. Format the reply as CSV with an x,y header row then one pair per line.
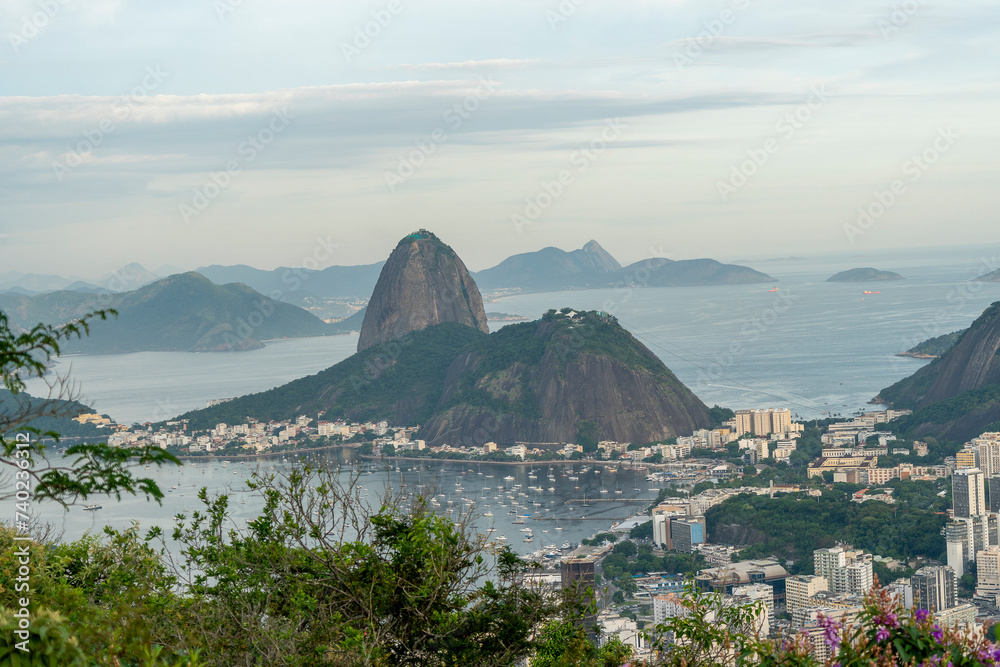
x,y
813,346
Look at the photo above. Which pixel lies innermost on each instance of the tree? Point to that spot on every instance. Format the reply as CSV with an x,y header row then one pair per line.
x,y
363,583
644,531
626,548
93,469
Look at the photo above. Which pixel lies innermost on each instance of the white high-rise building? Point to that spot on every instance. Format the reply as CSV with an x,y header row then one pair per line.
x,y
988,571
825,561
987,447
968,493
846,570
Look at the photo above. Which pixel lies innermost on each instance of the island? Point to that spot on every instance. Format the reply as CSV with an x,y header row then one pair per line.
x,y
863,275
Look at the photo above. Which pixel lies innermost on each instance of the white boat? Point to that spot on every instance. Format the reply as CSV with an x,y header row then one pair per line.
x,y
487,513
91,508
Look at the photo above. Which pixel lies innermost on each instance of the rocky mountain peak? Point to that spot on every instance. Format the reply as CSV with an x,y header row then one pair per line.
x,y
423,283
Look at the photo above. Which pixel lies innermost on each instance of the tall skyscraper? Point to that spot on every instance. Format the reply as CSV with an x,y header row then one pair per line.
x,y
968,494
935,587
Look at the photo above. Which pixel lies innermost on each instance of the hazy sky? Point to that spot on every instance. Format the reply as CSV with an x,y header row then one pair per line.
x,y
722,129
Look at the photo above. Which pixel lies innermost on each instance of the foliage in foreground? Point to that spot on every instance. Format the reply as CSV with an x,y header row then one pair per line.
x,y
318,578
884,634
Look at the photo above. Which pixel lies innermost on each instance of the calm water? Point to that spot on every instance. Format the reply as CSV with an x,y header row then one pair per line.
x,y
555,516
813,346
818,348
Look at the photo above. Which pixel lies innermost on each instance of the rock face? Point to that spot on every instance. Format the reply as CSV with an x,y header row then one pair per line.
x,y
558,380
958,394
423,283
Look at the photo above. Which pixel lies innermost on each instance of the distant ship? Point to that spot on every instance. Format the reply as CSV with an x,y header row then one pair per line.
x,y
867,292
91,508
773,290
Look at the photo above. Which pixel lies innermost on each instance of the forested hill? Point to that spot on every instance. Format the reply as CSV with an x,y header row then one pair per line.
x,y
567,377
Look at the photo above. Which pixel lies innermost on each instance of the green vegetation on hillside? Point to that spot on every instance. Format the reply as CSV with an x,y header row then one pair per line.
x,y
794,525
399,381
54,415
934,347
939,417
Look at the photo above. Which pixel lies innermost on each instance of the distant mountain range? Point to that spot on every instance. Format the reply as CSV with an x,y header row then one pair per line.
x,y
295,284
593,267
545,270
550,269
957,396
184,312
129,277
425,357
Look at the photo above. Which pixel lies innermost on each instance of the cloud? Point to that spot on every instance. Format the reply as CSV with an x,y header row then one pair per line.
x,y
490,64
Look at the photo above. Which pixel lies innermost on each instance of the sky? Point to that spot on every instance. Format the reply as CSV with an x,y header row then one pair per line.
x,y
301,132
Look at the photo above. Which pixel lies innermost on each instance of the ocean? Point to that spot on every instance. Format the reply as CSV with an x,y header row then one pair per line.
x,y
818,348
815,347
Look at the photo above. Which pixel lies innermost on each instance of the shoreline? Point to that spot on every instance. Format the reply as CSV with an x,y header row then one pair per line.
x,y
214,457
511,463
